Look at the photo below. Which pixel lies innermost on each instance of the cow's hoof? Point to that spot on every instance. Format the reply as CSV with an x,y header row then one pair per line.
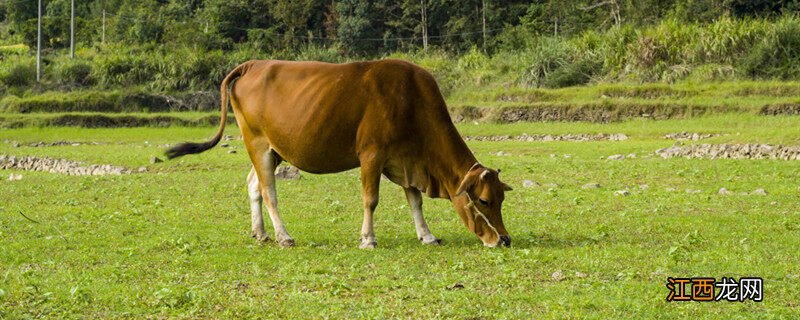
x,y
368,244
286,243
260,237
432,241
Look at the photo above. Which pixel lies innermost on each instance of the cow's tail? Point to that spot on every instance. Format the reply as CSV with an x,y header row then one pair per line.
x,y
192,147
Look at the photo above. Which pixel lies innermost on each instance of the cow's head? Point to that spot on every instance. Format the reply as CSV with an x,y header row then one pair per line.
x,y
478,201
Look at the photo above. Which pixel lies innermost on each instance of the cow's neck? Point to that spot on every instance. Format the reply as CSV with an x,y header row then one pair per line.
x,y
448,168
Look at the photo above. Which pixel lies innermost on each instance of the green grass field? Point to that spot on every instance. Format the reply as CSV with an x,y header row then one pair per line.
x,y
174,242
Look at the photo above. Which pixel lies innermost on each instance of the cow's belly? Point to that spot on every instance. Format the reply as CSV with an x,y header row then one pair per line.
x,y
313,159
315,151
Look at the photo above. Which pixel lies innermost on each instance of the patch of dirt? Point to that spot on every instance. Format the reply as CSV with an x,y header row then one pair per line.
x,y
731,151
59,166
551,137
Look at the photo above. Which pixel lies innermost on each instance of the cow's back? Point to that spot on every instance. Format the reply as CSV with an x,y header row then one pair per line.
x,y
319,116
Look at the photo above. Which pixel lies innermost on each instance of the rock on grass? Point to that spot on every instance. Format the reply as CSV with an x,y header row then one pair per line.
x,y
287,173
616,157
591,185
558,276
623,193
529,184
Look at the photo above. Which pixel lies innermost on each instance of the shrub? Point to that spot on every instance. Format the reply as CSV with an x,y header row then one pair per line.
x,y
542,59
572,74
17,71
777,55
72,73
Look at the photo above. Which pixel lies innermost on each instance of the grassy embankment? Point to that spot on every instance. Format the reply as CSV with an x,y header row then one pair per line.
x,y
598,103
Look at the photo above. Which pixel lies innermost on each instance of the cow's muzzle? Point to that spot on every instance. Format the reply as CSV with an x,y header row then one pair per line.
x,y
505,241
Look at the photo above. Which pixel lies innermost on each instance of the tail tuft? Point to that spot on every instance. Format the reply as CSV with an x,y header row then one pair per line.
x,y
188,148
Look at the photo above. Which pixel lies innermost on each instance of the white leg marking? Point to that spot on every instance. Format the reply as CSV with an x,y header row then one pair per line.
x,y
370,184
257,230
414,197
270,162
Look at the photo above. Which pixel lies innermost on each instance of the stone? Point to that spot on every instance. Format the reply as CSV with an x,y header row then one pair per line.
x,y
141,170
228,138
591,185
759,192
558,276
724,192
623,193
231,151
579,274
692,191
616,157
529,184
632,156
287,173
643,186
224,145
14,177
155,160
618,137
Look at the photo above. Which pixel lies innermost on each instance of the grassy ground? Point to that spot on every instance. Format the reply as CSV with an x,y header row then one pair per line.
x,y
175,242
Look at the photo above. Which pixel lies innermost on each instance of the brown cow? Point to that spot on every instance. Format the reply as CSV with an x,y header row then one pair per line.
x,y
387,117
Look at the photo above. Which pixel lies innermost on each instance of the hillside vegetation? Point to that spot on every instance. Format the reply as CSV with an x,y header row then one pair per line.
x,y
161,48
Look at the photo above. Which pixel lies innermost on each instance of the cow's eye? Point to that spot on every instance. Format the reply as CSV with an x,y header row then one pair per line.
x,y
483,202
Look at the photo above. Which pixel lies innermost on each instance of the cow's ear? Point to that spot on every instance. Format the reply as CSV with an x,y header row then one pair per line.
x,y
506,187
468,182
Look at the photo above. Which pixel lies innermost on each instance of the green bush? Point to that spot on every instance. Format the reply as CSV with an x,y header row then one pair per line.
x,y
72,73
573,74
543,59
777,55
17,71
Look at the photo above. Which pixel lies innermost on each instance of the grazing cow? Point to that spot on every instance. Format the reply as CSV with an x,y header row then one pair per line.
x,y
386,117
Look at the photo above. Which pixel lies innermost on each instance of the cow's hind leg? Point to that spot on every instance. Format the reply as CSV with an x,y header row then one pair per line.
x,y
370,184
424,235
270,161
254,192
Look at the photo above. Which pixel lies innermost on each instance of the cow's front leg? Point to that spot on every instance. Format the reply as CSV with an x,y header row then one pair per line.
x,y
271,160
257,227
415,202
370,184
